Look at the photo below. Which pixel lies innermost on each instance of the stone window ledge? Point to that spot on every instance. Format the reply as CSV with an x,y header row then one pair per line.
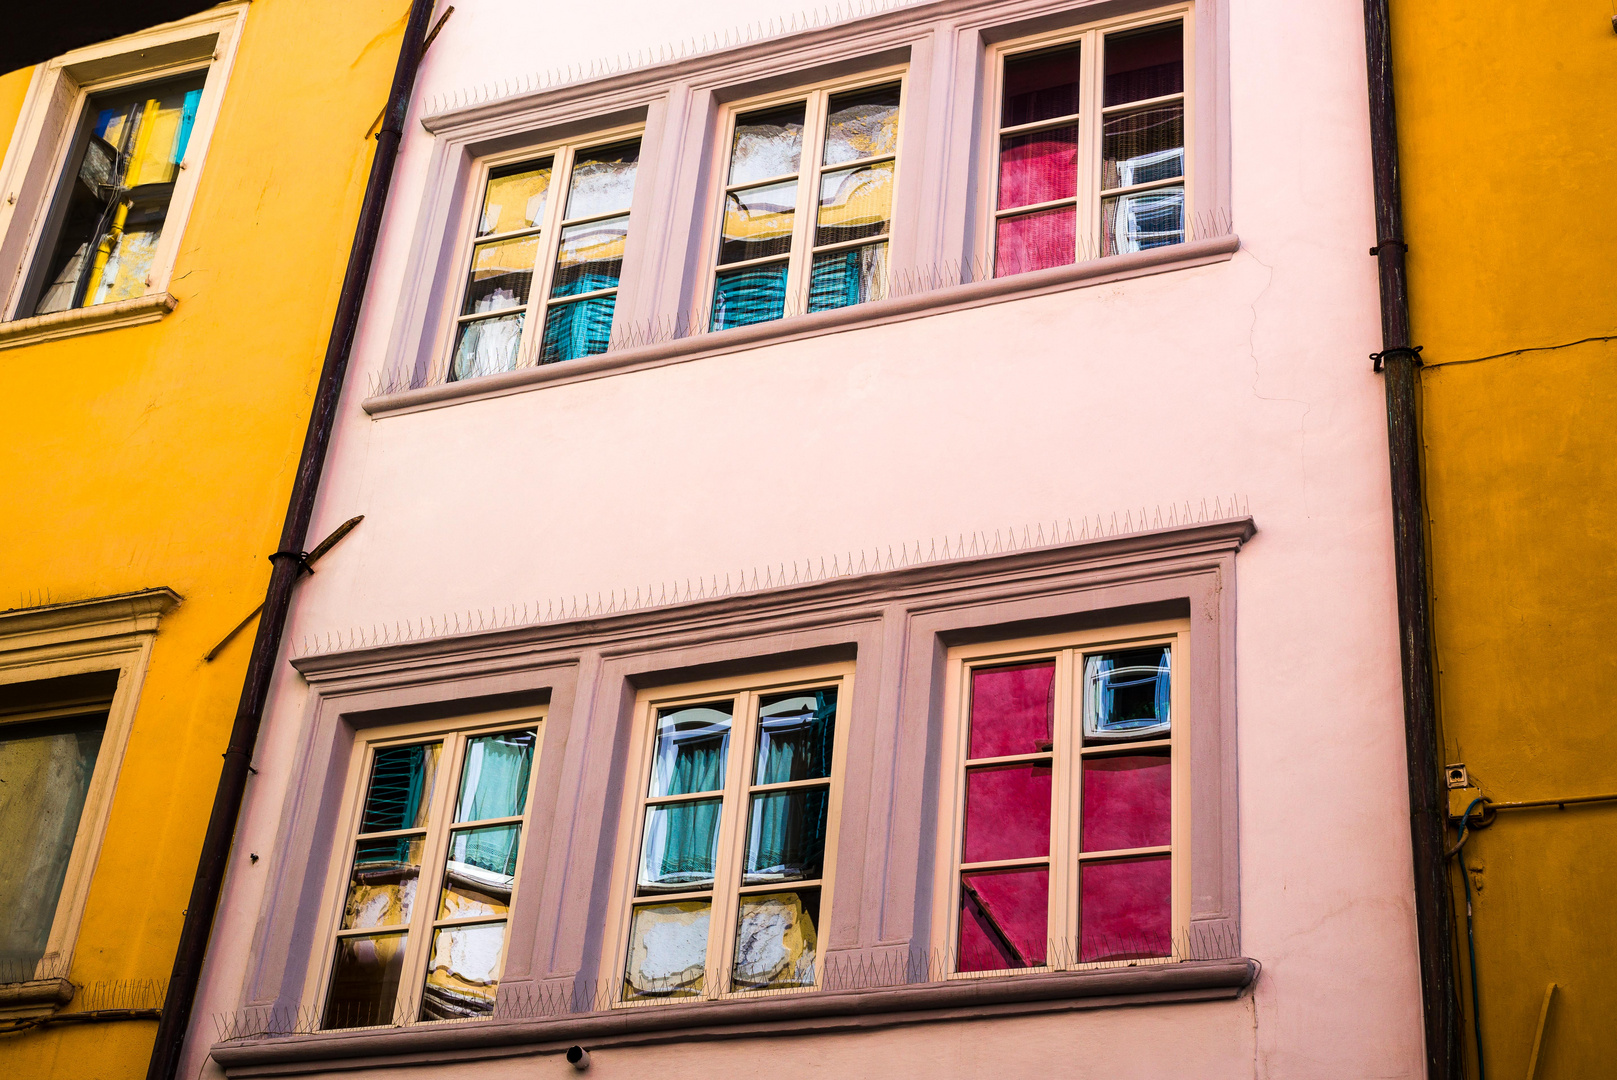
x,y
876,313
826,1011
86,320
37,997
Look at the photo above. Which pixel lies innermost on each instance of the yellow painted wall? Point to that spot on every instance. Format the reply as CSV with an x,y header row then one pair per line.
x,y
1507,115
163,455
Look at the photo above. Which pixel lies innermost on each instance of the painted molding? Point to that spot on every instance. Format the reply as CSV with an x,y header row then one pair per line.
x,y
87,320
37,997
77,620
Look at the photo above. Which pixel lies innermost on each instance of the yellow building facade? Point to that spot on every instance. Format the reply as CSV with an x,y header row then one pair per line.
x,y
178,210
1505,116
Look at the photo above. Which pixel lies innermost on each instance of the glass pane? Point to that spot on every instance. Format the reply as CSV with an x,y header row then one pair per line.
x,y
1040,86
855,203
1127,694
1012,710
861,124
46,768
667,951
693,744
756,294
1145,63
400,792
847,277
1035,241
777,941
1038,167
365,981
794,736
480,871
464,974
1004,919
1007,813
1127,802
494,779
590,258
758,222
1125,909
786,836
582,328
678,850
1136,222
515,198
502,274
603,180
767,144
381,888
487,346
1143,146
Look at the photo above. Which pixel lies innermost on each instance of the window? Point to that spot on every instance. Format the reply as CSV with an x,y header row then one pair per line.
x,y
729,845
428,874
543,277
1091,147
1069,791
807,229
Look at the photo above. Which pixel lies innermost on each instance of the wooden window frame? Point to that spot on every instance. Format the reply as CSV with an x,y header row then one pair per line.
x,y
1065,858
454,732
727,889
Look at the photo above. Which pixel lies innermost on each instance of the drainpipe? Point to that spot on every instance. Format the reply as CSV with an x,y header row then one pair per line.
x,y
286,565
1400,363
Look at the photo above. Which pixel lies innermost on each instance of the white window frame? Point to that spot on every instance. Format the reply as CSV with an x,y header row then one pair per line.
x,y
1065,859
51,118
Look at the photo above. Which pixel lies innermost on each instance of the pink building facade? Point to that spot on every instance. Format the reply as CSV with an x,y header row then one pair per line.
x,y
876,560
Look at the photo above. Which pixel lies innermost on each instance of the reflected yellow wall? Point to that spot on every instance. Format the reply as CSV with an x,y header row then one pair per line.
x,y
1507,113
163,455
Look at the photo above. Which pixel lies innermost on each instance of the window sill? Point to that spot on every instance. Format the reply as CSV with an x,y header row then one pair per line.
x,y
818,324
826,1011
37,997
61,324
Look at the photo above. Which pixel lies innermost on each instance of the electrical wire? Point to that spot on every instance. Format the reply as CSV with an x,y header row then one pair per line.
x,y
1470,933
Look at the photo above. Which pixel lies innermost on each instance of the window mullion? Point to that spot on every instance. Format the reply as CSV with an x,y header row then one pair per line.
x,y
732,838
1091,127
533,329
1064,832
808,200
418,949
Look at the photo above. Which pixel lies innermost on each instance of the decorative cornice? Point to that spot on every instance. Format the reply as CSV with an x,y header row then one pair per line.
x,y
86,320
109,615
37,997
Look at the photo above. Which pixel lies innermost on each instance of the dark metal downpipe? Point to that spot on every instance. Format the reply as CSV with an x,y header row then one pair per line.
x,y
287,564
1400,363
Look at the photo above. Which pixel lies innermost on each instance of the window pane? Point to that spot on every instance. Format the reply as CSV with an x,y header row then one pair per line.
x,y
487,346
480,871
47,769
1125,910
502,274
667,951
1007,812
786,836
590,257
1143,146
1127,694
849,276
693,745
794,736
515,198
1040,86
855,203
758,222
1012,710
1004,919
1145,63
767,144
756,294
581,328
400,792
464,974
365,981
1035,241
678,851
1127,802
381,888
1038,167
1147,220
603,180
777,941
861,124
494,779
